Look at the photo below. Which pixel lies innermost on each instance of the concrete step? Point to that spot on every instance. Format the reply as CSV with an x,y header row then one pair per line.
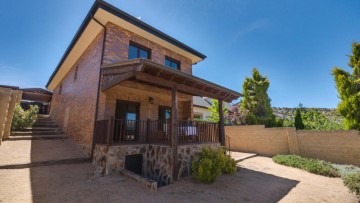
x,y
45,122
241,156
45,125
41,129
46,163
38,137
150,184
20,133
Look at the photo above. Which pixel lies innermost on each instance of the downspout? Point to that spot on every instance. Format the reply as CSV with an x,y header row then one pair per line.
x,y
98,90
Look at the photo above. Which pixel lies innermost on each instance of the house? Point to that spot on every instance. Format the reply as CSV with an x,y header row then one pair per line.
x,y
123,91
201,108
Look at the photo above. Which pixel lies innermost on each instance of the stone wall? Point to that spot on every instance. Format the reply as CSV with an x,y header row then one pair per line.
x,y
74,109
188,153
157,159
335,146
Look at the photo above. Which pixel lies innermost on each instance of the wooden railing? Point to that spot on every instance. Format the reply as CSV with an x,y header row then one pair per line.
x,y
118,131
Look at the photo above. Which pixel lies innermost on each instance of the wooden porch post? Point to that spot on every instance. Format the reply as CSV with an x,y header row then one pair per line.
x,y
174,129
221,124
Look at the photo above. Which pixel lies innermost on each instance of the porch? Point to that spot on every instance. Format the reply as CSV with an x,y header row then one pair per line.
x,y
145,119
124,132
145,102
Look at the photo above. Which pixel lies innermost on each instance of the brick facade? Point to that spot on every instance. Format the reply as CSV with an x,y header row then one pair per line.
x,y
74,109
117,45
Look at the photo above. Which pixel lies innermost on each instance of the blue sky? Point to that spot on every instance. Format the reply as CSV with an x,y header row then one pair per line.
x,y
294,43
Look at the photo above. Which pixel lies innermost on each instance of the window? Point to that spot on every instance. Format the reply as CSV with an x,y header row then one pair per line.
x,y
76,72
172,63
164,113
138,51
60,89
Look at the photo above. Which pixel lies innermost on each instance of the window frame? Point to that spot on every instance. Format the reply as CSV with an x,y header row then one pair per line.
x,y
139,47
172,60
76,72
60,88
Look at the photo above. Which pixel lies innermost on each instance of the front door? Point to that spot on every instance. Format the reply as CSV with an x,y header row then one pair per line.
x,y
126,121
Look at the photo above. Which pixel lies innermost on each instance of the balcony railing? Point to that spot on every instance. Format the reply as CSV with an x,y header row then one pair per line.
x,y
118,131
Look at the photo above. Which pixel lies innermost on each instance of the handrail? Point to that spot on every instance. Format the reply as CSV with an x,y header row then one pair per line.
x,y
120,131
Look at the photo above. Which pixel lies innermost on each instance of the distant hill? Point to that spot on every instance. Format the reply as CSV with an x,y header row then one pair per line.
x,y
289,113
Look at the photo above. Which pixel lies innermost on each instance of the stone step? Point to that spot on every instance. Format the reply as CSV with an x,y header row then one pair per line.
x,y
16,133
150,184
38,137
45,122
45,125
46,163
41,129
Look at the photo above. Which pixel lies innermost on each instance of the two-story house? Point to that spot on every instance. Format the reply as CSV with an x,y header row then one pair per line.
x,y
123,90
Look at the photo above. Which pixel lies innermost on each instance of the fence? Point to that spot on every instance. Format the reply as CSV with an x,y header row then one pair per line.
x,y
341,147
119,131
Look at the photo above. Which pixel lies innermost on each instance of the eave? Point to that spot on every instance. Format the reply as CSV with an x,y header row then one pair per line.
x,y
146,71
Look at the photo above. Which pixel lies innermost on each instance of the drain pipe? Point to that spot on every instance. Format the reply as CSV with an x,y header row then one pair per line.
x,y
98,90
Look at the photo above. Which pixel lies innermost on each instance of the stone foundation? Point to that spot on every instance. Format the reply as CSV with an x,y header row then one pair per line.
x,y
187,153
157,159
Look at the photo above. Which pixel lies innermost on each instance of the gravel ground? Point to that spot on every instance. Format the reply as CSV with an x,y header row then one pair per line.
x,y
259,179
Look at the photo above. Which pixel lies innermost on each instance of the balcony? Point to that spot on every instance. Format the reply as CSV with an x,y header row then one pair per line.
x,y
123,132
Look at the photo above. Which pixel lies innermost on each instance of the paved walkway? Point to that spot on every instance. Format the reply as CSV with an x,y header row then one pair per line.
x,y
240,156
24,152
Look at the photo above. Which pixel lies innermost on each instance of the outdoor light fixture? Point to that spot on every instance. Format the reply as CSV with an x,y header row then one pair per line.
x,y
151,100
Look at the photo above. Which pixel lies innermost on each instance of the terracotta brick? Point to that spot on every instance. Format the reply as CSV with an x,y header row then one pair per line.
x,y
74,109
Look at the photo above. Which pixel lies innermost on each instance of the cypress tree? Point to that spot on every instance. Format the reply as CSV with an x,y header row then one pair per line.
x,y
299,125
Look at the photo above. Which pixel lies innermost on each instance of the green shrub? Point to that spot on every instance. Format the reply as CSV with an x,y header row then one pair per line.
x,y
311,165
210,165
352,181
230,165
24,119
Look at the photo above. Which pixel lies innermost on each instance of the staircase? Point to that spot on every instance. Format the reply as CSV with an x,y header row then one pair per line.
x,y
43,129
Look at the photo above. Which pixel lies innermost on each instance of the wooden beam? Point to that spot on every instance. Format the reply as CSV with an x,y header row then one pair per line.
x,y
112,80
174,130
221,123
121,70
169,84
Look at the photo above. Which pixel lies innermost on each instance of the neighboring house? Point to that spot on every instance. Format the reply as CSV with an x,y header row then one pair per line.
x,y
36,96
123,90
201,107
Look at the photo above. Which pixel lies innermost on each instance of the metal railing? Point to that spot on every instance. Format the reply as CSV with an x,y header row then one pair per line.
x,y
119,131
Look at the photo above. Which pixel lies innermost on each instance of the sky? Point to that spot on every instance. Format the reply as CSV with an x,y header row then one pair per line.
x,y
295,44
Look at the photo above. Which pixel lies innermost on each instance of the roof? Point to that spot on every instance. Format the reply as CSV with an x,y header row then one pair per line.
x,y
36,94
201,102
148,71
36,90
10,87
104,6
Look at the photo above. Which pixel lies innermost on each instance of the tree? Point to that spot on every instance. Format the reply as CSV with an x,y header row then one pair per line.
x,y
299,125
348,86
256,99
214,110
